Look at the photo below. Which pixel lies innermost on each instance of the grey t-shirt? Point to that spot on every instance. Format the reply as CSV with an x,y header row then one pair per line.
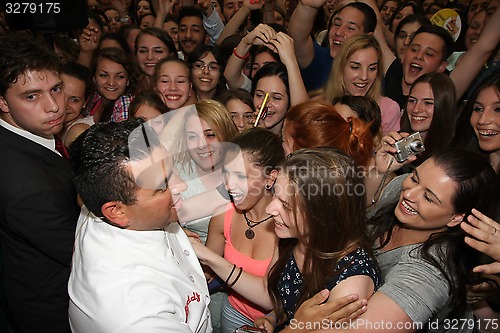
x,y
390,194
420,289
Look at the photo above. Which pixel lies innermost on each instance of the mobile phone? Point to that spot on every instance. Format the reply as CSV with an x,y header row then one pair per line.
x,y
249,329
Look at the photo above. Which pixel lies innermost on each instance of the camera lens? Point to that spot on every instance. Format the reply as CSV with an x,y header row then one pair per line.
x,y
416,146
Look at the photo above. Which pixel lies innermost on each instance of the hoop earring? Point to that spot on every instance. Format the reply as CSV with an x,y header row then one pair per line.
x,y
268,187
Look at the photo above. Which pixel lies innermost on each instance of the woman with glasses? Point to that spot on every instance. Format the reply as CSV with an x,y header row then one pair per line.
x,y
207,64
404,33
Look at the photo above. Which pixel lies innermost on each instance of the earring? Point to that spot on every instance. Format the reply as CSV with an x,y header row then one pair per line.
x,y
268,187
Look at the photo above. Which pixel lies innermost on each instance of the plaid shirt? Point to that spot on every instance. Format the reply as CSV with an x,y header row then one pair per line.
x,y
120,109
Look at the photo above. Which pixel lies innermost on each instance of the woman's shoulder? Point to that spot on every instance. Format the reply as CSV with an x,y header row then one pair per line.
x,y
358,262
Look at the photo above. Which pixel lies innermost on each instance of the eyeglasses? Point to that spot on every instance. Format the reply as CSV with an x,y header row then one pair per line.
x,y
200,65
404,36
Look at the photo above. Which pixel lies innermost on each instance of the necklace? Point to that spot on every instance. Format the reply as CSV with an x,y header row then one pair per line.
x,y
249,233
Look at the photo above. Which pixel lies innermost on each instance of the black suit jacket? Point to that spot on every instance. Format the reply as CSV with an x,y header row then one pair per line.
x,y
38,215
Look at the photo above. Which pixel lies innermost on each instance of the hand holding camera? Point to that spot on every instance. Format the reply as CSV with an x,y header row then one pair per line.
x,y
402,148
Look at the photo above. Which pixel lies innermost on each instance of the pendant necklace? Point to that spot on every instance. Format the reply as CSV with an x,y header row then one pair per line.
x,y
249,233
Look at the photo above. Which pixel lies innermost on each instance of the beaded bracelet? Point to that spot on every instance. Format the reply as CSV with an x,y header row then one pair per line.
x,y
241,57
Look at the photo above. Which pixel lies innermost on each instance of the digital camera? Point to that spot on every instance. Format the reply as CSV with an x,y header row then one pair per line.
x,y
411,145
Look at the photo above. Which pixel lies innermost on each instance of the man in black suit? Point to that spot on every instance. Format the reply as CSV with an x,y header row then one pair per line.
x,y
38,210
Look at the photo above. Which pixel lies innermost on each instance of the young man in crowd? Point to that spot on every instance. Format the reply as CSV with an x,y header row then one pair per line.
x,y
191,30
38,210
314,60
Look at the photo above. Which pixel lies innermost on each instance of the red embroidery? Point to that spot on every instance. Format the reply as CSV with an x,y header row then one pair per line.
x,y
191,298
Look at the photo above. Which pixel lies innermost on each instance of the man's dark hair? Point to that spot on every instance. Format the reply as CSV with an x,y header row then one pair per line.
x,y
443,34
420,19
190,11
20,53
99,158
370,17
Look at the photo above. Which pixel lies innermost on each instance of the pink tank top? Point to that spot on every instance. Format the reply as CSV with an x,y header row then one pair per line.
x,y
250,265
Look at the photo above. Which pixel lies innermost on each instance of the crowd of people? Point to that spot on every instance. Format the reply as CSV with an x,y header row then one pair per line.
x,y
287,166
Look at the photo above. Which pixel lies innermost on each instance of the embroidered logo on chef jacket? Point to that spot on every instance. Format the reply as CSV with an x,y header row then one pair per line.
x,y
194,297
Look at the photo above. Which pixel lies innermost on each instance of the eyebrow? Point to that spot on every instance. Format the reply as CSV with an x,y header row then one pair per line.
x,y
175,77
348,22
271,93
424,99
429,190
190,25
426,47
152,47
36,91
285,204
358,63
102,70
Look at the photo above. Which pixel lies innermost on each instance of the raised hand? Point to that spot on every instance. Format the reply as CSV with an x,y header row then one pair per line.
x,y
166,6
261,35
314,310
282,44
89,39
384,158
485,234
253,4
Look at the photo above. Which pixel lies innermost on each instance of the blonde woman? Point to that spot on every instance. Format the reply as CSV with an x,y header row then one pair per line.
x,y
357,70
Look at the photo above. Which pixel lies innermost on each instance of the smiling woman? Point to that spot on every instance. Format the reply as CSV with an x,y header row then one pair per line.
x,y
272,78
115,76
430,110
478,128
200,160
173,82
357,71
419,238
207,65
151,46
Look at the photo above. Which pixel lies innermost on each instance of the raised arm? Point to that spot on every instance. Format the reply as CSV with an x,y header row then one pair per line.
x,y
388,55
300,27
268,13
201,205
261,35
216,240
474,59
284,46
88,39
239,18
164,7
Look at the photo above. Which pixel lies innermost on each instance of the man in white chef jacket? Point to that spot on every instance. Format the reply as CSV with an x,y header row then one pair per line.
x,y
133,269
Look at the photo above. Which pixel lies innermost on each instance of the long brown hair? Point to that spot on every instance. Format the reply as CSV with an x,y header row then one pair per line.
x,y
335,209
335,86
442,128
